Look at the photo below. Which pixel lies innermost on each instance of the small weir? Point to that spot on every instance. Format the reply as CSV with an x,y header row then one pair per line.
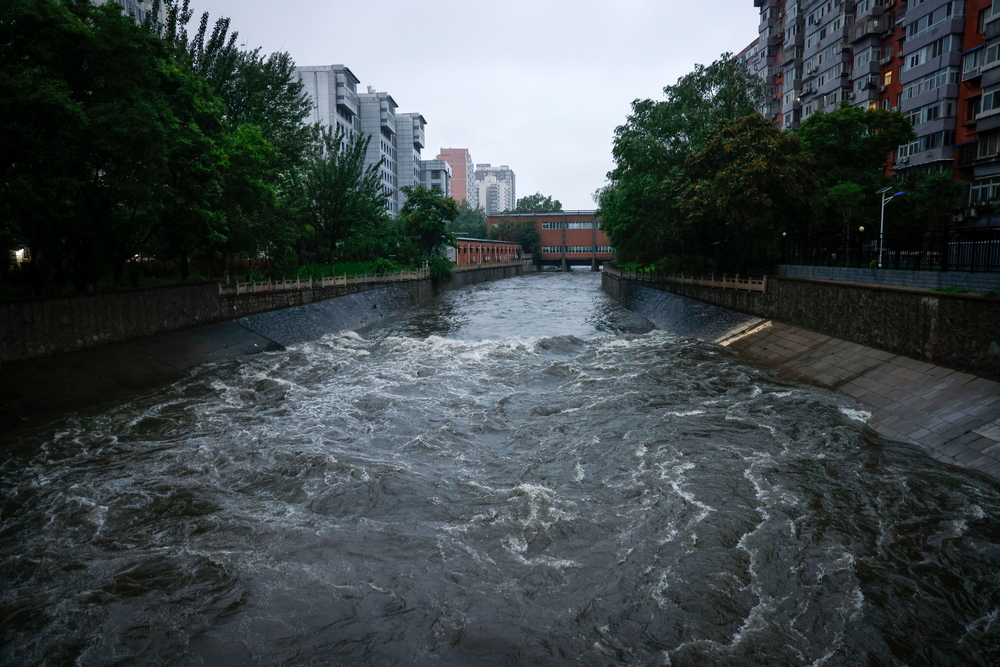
x,y
517,473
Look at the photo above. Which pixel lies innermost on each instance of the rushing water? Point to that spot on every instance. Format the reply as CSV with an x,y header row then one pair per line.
x,y
518,474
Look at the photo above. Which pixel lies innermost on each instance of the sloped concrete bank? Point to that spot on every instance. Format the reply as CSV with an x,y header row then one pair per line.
x,y
954,415
36,390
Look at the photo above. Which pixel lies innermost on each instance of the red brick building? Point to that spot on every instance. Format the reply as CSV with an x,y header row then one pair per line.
x,y
475,252
568,238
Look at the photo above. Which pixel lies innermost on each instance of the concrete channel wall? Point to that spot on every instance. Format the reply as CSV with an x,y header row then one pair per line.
x,y
36,328
959,331
954,416
140,342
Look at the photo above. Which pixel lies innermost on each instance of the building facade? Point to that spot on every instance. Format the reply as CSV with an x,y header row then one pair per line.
x,y
333,90
496,187
436,175
478,252
395,139
463,175
410,141
140,10
568,238
935,61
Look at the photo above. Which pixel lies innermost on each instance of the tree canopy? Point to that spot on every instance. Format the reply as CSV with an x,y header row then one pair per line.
x,y
537,203
121,143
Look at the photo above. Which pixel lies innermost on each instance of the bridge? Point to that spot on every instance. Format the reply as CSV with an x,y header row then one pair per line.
x,y
568,238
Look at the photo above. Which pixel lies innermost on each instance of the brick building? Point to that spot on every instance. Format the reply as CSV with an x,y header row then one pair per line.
x,y
935,61
477,252
568,238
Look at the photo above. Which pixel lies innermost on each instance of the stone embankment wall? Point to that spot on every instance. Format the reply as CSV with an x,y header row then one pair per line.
x,y
35,328
957,331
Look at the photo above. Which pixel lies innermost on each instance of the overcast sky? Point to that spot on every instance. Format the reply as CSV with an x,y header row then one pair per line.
x,y
539,85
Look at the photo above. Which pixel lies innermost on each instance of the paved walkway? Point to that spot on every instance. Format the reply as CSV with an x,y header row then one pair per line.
x,y
956,416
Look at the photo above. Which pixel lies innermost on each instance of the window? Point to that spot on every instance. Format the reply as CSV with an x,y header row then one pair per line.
x,y
984,190
932,81
932,20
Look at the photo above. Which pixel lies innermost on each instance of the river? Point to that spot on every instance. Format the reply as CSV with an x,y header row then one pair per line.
x,y
519,473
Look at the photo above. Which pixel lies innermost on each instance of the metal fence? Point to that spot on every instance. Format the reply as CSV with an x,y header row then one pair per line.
x,y
973,250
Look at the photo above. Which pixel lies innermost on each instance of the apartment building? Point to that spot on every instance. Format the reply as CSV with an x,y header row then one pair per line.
x,y
935,61
140,10
463,175
396,139
436,175
410,141
333,90
496,188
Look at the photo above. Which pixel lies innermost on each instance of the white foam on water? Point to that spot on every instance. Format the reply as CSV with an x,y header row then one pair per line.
x,y
857,415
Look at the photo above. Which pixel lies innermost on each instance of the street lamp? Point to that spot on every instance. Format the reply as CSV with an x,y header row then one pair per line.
x,y
881,228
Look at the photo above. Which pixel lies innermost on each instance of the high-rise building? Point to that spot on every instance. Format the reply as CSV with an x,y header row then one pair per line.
x,y
395,140
436,175
496,188
463,175
378,121
410,141
138,9
333,90
935,61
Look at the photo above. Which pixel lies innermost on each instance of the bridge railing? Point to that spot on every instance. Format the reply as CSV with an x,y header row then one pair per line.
x,y
287,284
724,281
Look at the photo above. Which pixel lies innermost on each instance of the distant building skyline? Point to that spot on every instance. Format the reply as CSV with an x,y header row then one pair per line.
x,y
497,188
463,175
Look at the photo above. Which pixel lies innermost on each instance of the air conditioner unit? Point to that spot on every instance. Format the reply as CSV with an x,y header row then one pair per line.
x,y
850,96
895,109
881,89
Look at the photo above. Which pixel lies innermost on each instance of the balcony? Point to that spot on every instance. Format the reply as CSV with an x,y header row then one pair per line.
x,y
872,26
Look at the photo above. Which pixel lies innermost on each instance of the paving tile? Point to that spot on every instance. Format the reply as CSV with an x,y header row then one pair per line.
x,y
968,456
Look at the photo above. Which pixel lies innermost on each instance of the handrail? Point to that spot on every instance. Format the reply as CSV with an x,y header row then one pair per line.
x,y
724,282
287,284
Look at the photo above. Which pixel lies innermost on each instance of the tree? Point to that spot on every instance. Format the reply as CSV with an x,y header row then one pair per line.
x,y
537,203
426,216
345,197
471,222
519,230
739,190
638,206
853,145
929,203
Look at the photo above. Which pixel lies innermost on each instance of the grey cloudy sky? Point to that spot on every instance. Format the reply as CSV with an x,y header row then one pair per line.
x,y
538,85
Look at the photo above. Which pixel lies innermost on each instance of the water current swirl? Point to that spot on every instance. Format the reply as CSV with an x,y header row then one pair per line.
x,y
517,474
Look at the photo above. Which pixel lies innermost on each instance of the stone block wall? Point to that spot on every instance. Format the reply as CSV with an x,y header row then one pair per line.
x,y
33,328
957,331
43,327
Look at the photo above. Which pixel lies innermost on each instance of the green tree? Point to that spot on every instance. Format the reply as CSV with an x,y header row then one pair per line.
x,y
519,230
426,216
345,197
739,189
537,203
471,222
638,205
853,145
930,202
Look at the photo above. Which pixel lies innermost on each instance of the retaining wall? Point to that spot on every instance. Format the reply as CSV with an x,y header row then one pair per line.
x,y
34,328
957,331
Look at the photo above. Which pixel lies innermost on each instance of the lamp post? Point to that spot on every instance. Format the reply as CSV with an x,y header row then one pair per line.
x,y
881,228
